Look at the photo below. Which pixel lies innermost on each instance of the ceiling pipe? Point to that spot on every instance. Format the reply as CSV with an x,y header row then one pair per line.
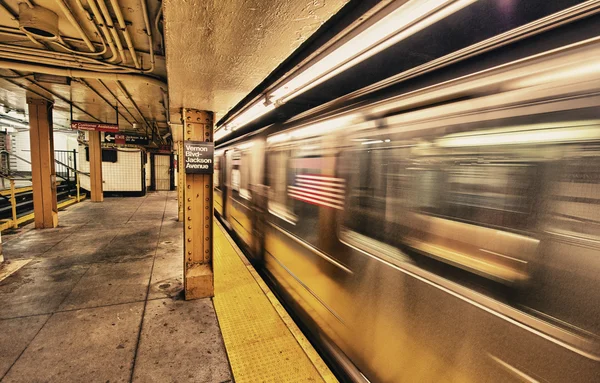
x,y
125,77
149,33
156,20
63,6
44,60
113,31
71,62
123,26
105,32
62,43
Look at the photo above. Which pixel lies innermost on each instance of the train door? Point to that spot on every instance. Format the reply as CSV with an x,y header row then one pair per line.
x,y
227,183
162,172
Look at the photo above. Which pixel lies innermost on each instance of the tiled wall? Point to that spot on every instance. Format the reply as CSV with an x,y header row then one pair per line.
x,y
121,176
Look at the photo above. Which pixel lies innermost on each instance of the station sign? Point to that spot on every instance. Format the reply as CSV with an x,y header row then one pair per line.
x,y
123,139
198,157
94,126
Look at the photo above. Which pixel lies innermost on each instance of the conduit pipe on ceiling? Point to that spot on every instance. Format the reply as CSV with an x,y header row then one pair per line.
x,y
62,43
105,31
149,33
31,55
63,6
123,27
46,61
125,77
113,31
16,49
156,20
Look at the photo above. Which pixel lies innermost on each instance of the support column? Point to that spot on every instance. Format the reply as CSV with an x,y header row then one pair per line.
x,y
198,212
43,173
97,194
180,181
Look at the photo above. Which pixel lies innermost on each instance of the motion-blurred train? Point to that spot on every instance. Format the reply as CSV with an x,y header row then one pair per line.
x,y
448,232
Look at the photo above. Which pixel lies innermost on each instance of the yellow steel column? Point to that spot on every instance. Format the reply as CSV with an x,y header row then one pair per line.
x,y
43,174
13,204
180,181
95,167
198,213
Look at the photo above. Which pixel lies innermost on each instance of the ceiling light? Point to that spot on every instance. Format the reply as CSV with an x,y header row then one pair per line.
x,y
255,111
524,136
400,23
371,142
52,79
38,21
316,129
389,30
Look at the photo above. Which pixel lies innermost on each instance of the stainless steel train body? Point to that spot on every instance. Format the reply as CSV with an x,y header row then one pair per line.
x,y
447,234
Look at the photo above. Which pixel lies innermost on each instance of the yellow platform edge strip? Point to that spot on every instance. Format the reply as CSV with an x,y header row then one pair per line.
x,y
272,349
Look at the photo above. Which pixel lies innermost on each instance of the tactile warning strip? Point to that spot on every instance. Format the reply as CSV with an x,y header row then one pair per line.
x,y
263,343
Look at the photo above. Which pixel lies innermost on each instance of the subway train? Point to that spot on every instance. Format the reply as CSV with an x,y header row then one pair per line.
x,y
449,232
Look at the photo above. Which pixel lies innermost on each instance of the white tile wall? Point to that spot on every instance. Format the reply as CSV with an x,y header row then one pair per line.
x,y
22,148
123,175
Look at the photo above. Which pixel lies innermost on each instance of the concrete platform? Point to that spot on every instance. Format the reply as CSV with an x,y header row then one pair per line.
x,y
99,300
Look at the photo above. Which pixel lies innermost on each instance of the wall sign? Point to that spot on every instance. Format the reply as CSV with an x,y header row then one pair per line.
x,y
97,126
123,139
198,157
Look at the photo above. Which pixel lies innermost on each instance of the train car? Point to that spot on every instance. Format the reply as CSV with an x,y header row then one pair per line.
x,y
449,233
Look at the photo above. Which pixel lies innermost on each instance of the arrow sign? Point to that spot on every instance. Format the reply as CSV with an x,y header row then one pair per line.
x,y
123,139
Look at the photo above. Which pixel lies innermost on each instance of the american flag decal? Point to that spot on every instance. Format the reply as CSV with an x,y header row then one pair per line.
x,y
319,190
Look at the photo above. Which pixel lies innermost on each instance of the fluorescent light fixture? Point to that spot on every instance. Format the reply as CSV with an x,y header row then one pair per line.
x,y
220,134
316,129
11,122
255,111
246,145
9,129
389,30
371,142
524,136
402,22
388,140
52,79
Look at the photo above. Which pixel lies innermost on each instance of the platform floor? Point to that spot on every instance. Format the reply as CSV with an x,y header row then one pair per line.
x,y
99,300
263,343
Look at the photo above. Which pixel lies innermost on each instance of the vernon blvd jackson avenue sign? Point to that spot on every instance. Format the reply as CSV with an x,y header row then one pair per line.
x,y
198,156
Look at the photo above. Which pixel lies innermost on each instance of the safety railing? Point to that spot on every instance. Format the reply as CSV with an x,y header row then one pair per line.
x,y
68,174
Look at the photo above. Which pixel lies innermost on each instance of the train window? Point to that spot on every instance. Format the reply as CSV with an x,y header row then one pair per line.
x,y
493,194
244,181
378,191
217,173
574,205
278,178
